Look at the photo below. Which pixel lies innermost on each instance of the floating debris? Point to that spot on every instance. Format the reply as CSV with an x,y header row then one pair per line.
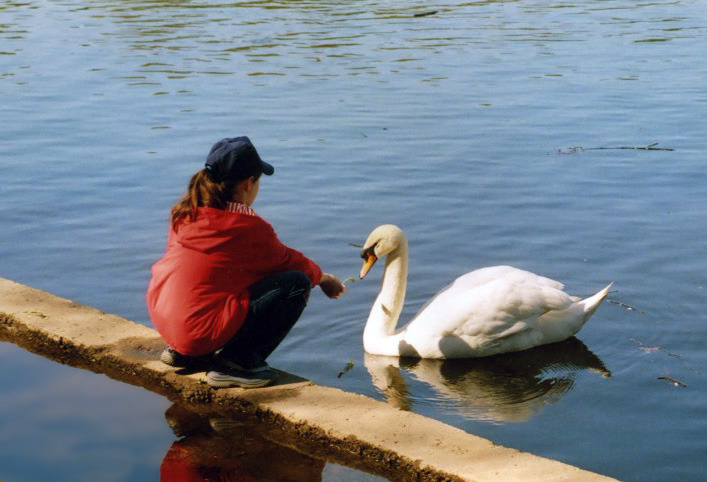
x,y
652,349
628,307
673,382
650,147
426,14
655,349
346,369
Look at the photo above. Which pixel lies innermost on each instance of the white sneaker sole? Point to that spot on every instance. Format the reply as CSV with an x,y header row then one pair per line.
x,y
224,380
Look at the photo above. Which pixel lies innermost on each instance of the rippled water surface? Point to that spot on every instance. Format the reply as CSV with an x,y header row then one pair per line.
x,y
489,131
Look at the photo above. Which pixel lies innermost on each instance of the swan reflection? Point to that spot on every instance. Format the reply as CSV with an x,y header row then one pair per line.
x,y
504,388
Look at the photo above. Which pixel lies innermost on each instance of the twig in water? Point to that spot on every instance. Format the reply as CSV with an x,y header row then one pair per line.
x,y
346,369
425,14
650,147
356,245
674,382
628,307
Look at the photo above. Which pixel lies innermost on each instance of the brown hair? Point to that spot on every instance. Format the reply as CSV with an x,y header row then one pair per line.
x,y
202,192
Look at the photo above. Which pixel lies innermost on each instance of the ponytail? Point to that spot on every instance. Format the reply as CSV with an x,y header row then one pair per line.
x,y
202,192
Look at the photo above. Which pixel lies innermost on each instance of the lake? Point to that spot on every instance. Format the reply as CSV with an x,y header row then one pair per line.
x,y
492,132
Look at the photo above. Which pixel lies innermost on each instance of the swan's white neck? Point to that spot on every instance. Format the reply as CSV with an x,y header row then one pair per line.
x,y
379,336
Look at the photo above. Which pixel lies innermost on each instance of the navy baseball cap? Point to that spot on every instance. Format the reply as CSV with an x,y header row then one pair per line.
x,y
235,159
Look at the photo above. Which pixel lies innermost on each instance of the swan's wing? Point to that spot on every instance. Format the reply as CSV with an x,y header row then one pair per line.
x,y
490,304
507,307
508,273
463,287
474,279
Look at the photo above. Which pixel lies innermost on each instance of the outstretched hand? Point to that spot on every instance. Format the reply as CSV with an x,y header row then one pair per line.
x,y
331,286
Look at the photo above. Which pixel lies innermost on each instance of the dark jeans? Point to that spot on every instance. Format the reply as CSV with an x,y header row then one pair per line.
x,y
276,303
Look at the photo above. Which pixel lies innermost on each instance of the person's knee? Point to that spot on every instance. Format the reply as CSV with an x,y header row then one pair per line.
x,y
300,285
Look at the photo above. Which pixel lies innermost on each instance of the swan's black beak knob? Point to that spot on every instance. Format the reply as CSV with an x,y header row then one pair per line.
x,y
369,259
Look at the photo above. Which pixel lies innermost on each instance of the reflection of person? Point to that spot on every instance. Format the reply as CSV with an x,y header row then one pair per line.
x,y
227,291
225,450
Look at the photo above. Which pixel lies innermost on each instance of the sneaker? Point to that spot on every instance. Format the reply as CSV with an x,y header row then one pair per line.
x,y
175,359
231,365
239,378
253,363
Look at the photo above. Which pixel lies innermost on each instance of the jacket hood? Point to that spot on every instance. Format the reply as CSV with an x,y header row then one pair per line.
x,y
214,229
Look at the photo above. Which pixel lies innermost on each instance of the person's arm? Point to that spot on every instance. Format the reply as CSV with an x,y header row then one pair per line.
x,y
267,254
273,256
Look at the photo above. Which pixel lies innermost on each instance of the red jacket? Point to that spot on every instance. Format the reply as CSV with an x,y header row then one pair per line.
x,y
198,294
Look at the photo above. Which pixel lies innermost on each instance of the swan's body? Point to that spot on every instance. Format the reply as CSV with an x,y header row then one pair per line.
x,y
485,312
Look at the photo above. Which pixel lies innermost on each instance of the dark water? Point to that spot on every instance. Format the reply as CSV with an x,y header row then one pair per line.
x,y
464,127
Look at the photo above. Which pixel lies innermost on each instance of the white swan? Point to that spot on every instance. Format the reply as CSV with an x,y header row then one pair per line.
x,y
485,312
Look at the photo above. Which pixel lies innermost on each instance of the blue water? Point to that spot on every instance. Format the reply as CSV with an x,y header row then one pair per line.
x,y
458,126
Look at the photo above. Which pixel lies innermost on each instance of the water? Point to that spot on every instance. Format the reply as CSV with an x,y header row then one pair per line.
x,y
457,126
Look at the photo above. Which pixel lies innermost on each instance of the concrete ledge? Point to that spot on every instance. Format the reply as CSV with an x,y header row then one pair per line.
x,y
326,422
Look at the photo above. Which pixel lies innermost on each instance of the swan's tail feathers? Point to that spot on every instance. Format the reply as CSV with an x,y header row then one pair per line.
x,y
590,305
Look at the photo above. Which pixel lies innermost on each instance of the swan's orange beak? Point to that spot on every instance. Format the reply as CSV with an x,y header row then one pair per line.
x,y
369,259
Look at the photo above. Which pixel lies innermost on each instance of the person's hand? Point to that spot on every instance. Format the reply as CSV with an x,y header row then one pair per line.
x,y
331,286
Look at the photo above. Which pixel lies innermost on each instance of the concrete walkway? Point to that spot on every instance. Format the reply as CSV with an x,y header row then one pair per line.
x,y
329,422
